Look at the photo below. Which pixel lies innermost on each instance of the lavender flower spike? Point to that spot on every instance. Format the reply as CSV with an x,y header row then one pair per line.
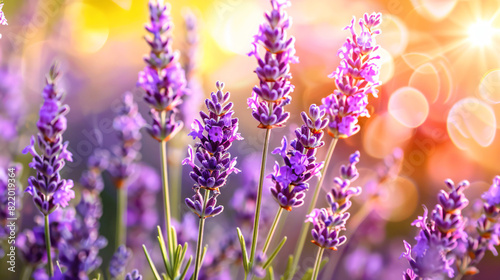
x,y
273,70
48,189
439,235
356,77
119,261
163,79
216,135
328,222
290,180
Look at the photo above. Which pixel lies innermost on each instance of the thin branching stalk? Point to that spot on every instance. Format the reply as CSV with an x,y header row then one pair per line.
x,y
50,266
305,226
121,212
317,264
259,197
164,177
272,230
201,228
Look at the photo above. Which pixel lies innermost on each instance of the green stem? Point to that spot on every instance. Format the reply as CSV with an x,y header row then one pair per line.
x,y
305,226
201,227
47,245
316,268
121,213
272,230
176,187
27,272
164,177
259,198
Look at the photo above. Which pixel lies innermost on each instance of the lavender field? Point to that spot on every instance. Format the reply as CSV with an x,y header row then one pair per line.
x,y
231,139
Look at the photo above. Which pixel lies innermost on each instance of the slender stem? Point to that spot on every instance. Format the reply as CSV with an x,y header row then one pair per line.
x,y
353,225
47,245
259,197
272,230
319,256
201,227
27,272
175,181
121,217
164,177
305,226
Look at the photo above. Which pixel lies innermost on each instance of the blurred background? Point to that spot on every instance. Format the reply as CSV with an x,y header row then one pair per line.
x,y
435,118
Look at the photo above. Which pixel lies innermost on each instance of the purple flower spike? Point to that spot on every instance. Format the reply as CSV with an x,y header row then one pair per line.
x,y
439,235
3,19
127,124
290,180
492,196
356,77
215,133
48,189
163,79
119,261
329,222
273,70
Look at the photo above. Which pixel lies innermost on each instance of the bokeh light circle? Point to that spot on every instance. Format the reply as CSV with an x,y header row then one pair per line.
x,y
470,121
397,200
394,37
426,80
382,134
489,88
408,106
88,26
386,63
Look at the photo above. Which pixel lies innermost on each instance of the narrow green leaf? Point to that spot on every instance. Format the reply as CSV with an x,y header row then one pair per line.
x,y
289,270
166,262
243,249
184,272
274,254
153,268
270,273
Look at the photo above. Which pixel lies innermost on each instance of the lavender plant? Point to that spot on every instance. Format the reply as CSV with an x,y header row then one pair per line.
x,y
329,222
3,19
438,236
163,83
48,189
216,135
119,261
355,78
128,124
273,92
484,237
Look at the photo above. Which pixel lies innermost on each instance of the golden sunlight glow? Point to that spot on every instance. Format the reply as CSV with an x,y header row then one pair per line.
x,y
481,33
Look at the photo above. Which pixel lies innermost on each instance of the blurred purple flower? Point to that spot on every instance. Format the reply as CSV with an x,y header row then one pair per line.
x,y
290,180
134,275
12,103
119,261
273,70
356,77
214,161
438,236
163,79
328,222
48,189
492,196
91,178
128,124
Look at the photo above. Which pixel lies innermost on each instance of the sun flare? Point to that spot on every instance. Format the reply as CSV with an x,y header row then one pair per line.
x,y
481,33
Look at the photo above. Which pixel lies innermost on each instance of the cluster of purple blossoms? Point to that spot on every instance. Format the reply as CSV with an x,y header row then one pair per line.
x,y
438,235
216,135
134,275
163,79
273,70
12,103
119,261
290,180
128,124
8,189
48,189
485,235
356,77
328,222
